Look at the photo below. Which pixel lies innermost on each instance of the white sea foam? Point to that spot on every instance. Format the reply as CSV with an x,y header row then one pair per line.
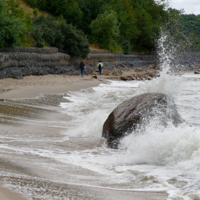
x,y
159,157
90,107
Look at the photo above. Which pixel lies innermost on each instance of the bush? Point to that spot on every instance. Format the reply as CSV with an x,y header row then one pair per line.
x,y
44,28
32,3
26,41
35,12
105,29
126,47
60,34
74,41
11,27
41,4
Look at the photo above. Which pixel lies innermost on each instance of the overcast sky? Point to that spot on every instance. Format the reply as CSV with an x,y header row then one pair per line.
x,y
190,6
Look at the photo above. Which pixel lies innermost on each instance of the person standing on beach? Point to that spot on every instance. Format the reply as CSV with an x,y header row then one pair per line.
x,y
82,67
100,65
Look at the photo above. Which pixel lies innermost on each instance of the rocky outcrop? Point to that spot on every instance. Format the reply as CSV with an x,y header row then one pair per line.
x,y
119,61
30,59
142,75
17,65
20,72
23,61
135,113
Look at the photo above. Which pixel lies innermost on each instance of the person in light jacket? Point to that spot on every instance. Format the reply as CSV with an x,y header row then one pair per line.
x,y
100,65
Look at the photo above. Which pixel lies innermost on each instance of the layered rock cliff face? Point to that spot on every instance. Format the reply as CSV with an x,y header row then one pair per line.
x,y
24,61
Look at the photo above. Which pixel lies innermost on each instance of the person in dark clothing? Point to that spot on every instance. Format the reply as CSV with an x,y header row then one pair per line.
x,y
100,65
82,67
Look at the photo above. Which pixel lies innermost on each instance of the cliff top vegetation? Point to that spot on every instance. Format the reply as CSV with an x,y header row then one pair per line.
x,y
71,25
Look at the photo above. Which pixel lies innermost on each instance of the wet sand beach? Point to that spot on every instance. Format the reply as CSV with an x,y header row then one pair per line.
x,y
6,194
32,123
33,86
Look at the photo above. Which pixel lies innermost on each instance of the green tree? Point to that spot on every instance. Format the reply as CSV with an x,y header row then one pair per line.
x,y
44,30
11,27
32,3
136,21
189,25
126,47
127,19
13,8
150,16
41,4
69,9
73,14
60,34
90,10
105,29
73,41
35,12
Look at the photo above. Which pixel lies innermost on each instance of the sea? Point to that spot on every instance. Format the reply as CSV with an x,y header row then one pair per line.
x,y
39,155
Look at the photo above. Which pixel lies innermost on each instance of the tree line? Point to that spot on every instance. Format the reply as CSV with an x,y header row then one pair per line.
x,y
72,25
114,24
189,25
20,28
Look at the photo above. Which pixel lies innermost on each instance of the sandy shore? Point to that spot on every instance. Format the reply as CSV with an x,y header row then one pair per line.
x,y
33,86
6,194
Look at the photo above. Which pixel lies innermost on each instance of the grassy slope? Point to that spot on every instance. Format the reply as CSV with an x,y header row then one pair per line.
x,y
28,41
27,8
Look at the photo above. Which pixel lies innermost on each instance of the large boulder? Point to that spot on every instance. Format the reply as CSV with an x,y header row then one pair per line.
x,y
135,113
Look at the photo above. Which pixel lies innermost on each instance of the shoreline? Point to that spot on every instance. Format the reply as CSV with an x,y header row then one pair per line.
x,y
34,86
29,87
7,194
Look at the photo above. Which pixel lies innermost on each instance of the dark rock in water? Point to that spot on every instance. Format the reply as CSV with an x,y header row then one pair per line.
x,y
124,78
196,72
135,113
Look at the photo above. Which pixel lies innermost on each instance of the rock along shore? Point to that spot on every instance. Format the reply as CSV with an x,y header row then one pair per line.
x,y
135,113
24,61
